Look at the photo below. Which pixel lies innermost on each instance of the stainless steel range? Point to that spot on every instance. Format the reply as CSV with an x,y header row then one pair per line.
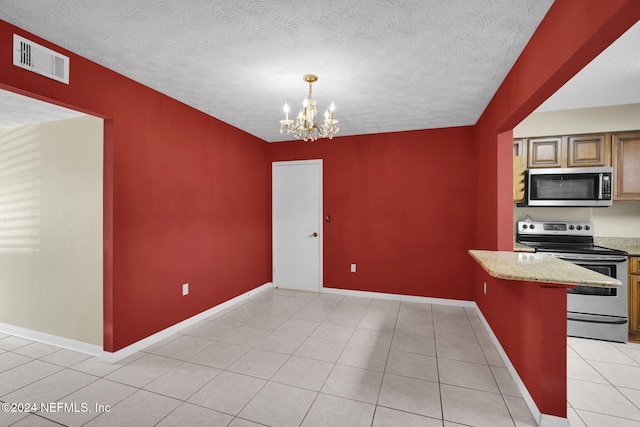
x,y
593,312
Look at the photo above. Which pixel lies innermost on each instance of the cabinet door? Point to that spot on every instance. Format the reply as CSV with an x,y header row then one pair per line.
x,y
634,303
626,164
547,152
634,265
520,149
589,150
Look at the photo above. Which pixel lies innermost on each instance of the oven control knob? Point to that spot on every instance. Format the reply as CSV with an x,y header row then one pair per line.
x,y
525,226
578,227
532,226
586,227
571,227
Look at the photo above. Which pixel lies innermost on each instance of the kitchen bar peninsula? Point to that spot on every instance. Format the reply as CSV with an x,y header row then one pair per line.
x,y
519,247
534,267
523,299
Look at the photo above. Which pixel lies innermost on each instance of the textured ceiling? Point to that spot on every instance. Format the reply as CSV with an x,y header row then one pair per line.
x,y
389,65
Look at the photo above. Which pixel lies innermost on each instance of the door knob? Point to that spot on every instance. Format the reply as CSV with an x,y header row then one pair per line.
x,y
315,234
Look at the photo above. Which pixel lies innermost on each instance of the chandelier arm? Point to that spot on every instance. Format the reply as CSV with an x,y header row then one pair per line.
x,y
320,129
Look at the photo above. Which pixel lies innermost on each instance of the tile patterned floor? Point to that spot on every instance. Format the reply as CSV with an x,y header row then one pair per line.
x,y
287,358
603,385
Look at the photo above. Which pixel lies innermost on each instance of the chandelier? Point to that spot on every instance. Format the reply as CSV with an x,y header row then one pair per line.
x,y
304,127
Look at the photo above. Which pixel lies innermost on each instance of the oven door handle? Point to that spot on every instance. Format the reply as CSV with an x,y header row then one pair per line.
x,y
599,319
598,258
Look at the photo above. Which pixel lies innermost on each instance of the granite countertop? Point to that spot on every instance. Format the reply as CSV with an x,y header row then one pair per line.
x,y
519,247
628,244
535,267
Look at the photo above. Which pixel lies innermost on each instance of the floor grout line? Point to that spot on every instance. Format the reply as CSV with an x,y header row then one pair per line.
x,y
342,307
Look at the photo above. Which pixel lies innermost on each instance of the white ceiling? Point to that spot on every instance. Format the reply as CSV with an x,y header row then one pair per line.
x,y
612,78
389,65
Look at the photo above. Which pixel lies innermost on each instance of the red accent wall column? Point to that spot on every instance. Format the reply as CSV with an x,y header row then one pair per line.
x,y
553,350
530,321
504,189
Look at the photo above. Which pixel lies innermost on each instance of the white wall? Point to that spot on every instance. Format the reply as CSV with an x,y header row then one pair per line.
x,y
620,220
616,118
51,228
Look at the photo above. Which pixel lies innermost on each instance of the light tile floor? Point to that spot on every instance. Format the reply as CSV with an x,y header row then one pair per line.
x,y
603,383
287,358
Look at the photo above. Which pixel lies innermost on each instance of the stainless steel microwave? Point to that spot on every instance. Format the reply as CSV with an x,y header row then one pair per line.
x,y
590,187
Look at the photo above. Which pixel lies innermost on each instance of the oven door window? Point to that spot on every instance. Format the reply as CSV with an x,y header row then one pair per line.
x,y
607,270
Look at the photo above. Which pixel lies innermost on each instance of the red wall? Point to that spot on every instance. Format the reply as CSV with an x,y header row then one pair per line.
x,y
529,320
400,206
187,197
571,35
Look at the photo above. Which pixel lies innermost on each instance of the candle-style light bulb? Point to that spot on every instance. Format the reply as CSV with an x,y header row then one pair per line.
x,y
286,110
326,115
332,108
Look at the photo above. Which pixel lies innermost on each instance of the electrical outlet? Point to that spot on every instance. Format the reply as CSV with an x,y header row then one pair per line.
x,y
353,268
485,288
185,289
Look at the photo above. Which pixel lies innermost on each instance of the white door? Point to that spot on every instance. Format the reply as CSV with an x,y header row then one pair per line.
x,y
297,224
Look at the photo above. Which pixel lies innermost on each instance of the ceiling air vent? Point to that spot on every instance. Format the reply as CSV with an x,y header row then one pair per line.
x,y
34,57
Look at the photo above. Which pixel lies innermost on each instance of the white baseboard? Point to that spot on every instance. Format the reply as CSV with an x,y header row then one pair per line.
x,y
399,297
96,350
30,334
165,333
553,421
543,420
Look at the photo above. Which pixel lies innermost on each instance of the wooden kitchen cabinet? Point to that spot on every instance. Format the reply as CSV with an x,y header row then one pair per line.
x,y
520,149
626,166
569,151
548,152
620,150
634,295
589,150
